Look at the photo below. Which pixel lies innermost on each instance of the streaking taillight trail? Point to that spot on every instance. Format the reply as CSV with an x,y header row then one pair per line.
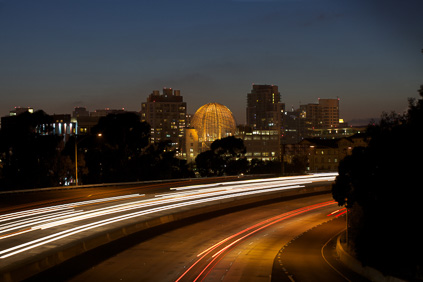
x,y
215,252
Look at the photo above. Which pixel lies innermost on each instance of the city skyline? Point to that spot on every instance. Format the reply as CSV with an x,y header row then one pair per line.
x,y
112,54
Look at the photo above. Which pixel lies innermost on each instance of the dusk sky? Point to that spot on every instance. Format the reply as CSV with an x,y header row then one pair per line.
x,y
57,54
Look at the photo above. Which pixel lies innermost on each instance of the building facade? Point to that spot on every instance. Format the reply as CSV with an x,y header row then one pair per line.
x,y
315,120
264,109
191,145
324,114
260,144
325,154
166,114
265,115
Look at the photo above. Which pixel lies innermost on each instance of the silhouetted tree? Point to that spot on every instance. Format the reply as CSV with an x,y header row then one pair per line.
x,y
27,157
224,157
381,186
298,165
258,166
208,163
158,161
111,157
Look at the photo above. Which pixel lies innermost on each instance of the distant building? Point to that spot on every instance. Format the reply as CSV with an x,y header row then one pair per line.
x,y
260,144
294,126
19,110
324,154
57,124
166,114
315,120
80,112
63,125
213,121
324,114
9,121
191,148
106,111
337,132
86,123
265,114
264,109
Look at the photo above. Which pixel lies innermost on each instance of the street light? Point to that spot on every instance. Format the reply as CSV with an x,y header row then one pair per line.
x,y
76,155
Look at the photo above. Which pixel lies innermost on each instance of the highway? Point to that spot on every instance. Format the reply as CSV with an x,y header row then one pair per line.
x,y
240,246
30,233
35,198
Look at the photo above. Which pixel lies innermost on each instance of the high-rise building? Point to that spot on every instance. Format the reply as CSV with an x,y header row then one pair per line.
x,y
264,109
316,120
166,114
265,113
324,114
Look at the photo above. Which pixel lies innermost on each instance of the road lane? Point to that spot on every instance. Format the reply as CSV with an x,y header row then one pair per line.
x,y
312,256
31,199
27,233
167,256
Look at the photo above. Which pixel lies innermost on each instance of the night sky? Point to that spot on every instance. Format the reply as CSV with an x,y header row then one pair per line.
x,y
57,54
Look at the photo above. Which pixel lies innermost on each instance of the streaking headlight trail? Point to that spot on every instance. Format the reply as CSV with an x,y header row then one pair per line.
x,y
29,229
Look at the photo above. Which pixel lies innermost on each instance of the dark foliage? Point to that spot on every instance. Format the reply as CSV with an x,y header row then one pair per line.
x,y
264,167
381,185
225,157
117,150
27,158
116,143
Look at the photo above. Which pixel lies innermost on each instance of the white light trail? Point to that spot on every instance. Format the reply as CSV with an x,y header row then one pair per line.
x,y
66,214
50,238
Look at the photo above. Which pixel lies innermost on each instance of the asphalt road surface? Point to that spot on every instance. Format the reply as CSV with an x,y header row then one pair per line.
x,y
239,246
29,235
312,256
36,198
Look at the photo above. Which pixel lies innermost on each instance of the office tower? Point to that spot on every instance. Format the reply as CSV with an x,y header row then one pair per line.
x,y
323,115
264,109
166,114
265,118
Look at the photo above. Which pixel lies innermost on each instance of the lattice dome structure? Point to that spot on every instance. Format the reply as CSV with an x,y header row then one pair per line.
x,y
213,121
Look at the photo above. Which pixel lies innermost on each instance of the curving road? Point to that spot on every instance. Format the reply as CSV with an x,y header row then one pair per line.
x,y
312,256
29,233
240,246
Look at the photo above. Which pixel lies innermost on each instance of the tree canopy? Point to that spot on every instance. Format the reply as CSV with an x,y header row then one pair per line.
x,y
226,156
381,185
26,156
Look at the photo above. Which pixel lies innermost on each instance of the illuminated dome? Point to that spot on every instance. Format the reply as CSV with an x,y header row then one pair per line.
x,y
213,121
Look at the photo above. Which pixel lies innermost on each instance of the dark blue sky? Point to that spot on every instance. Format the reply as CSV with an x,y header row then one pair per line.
x,y
58,54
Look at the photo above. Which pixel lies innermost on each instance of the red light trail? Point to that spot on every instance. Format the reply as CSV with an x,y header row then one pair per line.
x,y
216,252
